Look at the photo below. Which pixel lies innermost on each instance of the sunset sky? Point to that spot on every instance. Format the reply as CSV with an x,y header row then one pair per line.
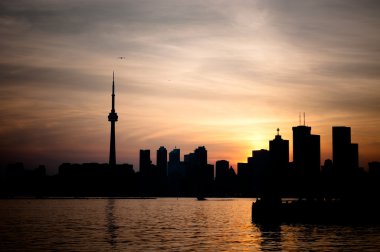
x,y
223,74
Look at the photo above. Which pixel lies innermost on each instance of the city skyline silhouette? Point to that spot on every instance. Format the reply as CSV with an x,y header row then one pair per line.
x,y
221,75
268,174
194,175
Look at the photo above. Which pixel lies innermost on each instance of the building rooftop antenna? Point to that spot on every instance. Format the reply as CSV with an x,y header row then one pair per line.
x,y
304,120
299,117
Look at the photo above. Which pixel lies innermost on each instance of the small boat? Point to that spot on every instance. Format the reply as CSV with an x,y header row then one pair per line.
x,y
201,198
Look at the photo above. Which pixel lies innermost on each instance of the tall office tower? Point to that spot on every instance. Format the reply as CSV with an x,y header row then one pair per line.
x,y
200,157
162,161
112,117
341,147
306,151
175,155
199,163
189,166
222,176
345,154
204,173
174,161
222,169
279,153
145,162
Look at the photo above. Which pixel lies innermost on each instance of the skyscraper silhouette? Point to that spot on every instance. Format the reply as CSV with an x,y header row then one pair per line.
x,y
162,161
112,117
204,173
145,162
341,147
279,153
222,169
345,153
174,165
306,150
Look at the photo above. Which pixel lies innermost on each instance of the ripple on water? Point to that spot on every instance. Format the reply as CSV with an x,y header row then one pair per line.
x,y
164,224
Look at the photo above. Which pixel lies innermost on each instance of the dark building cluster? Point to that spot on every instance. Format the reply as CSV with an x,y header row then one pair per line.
x,y
339,191
174,177
267,174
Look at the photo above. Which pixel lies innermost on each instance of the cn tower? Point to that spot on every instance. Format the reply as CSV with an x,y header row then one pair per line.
x,y
112,117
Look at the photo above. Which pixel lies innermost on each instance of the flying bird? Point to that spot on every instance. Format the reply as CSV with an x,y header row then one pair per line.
x,y
121,57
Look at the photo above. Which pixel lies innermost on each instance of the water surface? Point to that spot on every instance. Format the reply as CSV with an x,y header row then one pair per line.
x,y
182,224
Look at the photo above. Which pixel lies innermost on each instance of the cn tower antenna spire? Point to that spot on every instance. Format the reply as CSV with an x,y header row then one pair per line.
x,y
113,92
112,117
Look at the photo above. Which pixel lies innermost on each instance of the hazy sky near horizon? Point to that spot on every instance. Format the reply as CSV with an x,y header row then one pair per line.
x,y
223,74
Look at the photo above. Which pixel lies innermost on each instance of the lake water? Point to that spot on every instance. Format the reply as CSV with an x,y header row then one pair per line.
x,y
182,224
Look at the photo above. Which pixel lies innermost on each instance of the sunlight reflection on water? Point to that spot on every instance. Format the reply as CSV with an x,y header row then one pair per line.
x,y
182,224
